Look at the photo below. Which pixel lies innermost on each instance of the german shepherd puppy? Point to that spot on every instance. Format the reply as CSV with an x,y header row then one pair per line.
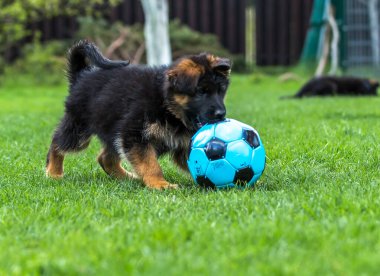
x,y
331,86
138,112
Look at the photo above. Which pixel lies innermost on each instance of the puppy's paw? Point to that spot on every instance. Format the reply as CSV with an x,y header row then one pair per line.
x,y
172,186
54,175
132,176
161,185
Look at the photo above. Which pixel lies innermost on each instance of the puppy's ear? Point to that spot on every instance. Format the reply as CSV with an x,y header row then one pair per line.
x,y
184,76
220,65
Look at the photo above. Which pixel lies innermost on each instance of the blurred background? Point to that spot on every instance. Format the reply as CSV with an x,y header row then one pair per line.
x,y
319,36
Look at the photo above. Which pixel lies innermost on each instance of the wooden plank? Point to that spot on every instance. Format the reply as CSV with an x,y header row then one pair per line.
x,y
125,12
132,11
294,26
113,14
270,31
218,20
177,11
240,18
192,13
283,40
230,20
46,34
260,55
206,16
171,4
139,13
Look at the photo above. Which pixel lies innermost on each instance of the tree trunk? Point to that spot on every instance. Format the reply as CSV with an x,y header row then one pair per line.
x,y
156,31
374,26
334,42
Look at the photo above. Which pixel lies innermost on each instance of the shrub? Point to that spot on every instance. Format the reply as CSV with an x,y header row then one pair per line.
x,y
185,41
118,41
44,63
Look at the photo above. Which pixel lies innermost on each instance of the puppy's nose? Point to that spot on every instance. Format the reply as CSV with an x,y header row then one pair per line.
x,y
219,114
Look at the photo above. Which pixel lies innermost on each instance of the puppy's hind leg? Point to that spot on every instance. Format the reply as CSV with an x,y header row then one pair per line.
x,y
111,164
54,162
70,136
144,160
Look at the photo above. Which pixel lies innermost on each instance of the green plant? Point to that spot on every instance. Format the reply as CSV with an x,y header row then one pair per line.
x,y
116,41
16,15
185,41
45,63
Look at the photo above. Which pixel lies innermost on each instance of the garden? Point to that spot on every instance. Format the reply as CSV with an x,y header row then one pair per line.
x,y
314,211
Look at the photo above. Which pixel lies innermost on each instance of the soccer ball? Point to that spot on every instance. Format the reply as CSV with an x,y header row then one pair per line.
x,y
226,154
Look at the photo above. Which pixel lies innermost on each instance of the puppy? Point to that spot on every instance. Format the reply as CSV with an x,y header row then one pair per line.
x,y
138,112
330,86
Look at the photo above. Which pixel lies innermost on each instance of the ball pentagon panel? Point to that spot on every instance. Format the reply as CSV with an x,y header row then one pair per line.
x,y
239,154
221,173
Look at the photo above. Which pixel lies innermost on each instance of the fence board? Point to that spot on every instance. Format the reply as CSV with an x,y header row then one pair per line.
x,y
281,27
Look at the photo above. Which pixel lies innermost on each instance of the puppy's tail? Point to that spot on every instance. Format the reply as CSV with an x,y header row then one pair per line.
x,y
84,55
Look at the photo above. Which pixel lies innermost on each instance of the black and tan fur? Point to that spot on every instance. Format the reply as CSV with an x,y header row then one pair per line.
x,y
337,86
138,112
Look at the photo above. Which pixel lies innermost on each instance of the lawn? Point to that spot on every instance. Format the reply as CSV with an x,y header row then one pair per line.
x,y
315,211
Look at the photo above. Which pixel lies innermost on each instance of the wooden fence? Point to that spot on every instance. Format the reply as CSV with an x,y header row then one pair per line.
x,y
281,27
225,18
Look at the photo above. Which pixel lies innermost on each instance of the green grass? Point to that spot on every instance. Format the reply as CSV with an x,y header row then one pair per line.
x,y
316,209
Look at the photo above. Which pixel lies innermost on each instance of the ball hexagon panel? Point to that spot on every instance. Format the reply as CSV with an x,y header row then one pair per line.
x,y
239,154
258,160
215,149
197,162
228,131
245,126
221,173
205,182
203,135
243,176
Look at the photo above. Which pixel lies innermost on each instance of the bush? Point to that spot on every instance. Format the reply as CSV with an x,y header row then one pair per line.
x,y
118,41
44,63
185,41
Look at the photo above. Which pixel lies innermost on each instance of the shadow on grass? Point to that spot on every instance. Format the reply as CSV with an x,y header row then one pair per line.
x,y
187,188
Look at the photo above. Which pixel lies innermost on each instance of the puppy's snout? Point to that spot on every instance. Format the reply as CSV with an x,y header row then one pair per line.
x,y
219,114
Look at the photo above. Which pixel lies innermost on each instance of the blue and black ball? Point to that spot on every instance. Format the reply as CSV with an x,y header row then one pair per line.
x,y
226,154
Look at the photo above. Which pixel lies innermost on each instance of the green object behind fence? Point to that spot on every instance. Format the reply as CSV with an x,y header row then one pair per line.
x,y
314,40
313,43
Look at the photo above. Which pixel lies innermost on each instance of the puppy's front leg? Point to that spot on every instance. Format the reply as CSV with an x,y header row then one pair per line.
x,y
144,160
